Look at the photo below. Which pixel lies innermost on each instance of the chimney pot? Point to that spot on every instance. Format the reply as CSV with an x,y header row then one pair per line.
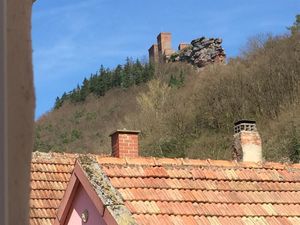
x,y
125,143
247,144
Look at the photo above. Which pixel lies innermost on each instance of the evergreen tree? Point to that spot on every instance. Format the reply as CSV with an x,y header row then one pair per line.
x,y
75,95
296,26
85,89
137,72
181,78
131,73
173,81
127,78
106,79
177,82
58,103
148,72
116,76
93,83
100,86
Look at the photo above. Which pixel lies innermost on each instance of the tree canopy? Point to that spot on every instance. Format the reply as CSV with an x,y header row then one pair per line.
x,y
124,76
295,28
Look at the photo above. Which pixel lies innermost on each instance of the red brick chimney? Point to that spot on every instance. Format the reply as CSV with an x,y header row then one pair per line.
x,y
125,143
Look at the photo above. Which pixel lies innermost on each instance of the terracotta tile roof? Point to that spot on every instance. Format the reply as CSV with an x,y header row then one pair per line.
x,y
50,174
180,191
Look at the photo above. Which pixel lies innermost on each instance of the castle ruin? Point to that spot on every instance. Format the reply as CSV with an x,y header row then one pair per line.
x,y
200,52
162,51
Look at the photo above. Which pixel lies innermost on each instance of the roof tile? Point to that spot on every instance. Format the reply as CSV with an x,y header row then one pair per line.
x,y
50,174
111,160
179,191
184,191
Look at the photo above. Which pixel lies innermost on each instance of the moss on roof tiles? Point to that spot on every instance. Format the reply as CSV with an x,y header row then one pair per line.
x,y
109,196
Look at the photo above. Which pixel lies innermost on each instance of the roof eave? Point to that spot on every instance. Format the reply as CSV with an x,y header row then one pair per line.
x,y
104,196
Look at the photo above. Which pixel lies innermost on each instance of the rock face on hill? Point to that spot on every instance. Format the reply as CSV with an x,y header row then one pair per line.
x,y
200,52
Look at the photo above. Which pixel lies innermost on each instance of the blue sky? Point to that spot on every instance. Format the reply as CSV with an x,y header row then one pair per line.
x,y
72,38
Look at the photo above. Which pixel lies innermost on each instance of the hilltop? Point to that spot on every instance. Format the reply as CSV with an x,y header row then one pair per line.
x,y
186,112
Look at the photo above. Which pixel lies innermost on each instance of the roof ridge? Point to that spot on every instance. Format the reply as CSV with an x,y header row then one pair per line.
x,y
205,189
156,161
53,153
218,203
222,216
166,161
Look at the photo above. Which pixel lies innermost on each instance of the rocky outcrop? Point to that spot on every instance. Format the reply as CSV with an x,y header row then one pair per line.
x,y
200,52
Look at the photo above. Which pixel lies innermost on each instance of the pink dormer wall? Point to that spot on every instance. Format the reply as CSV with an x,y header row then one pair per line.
x,y
82,202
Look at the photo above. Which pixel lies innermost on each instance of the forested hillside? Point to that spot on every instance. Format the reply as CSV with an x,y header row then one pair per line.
x,y
131,73
185,112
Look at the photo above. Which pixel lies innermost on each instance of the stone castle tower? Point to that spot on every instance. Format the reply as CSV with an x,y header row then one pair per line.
x,y
163,49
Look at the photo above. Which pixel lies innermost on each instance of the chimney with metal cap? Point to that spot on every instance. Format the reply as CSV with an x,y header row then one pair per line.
x,y
125,143
247,146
